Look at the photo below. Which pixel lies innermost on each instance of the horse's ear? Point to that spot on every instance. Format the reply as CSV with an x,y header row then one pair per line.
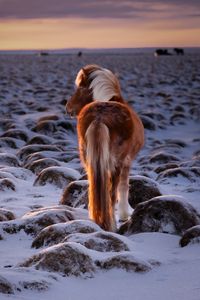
x,y
83,76
80,78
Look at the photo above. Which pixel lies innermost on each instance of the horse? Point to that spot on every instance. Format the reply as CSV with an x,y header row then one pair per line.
x,y
110,134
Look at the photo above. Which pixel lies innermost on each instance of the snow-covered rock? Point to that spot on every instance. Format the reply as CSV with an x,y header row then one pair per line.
x,y
58,176
99,241
141,189
76,194
125,261
56,233
192,235
6,215
70,259
168,214
34,221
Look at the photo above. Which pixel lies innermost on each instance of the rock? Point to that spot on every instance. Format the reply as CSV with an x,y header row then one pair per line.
x,y
192,235
34,221
9,160
19,173
99,241
35,285
60,156
7,184
41,164
178,142
148,123
163,157
46,127
17,134
164,167
69,259
191,174
141,189
7,142
56,233
68,126
195,162
177,118
76,194
40,140
6,215
27,150
48,117
59,176
167,214
5,286
124,261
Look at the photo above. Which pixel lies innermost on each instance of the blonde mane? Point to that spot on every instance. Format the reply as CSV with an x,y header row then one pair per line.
x,y
104,85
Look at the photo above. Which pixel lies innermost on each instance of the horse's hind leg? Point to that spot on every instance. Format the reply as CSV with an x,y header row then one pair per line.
x,y
123,189
115,176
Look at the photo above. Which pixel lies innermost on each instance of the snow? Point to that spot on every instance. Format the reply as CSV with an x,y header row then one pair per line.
x,y
148,83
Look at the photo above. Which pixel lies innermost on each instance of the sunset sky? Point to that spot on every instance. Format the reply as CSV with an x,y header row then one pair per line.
x,y
56,24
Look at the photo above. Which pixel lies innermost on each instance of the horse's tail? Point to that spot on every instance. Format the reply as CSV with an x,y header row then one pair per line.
x,y
98,169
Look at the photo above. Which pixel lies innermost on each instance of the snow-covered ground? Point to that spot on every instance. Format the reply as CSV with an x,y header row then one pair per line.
x,y
35,134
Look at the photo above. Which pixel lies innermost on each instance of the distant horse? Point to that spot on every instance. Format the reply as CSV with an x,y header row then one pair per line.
x,y
110,134
179,51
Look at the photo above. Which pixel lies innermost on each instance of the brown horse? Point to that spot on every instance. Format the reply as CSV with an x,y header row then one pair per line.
x,y
110,134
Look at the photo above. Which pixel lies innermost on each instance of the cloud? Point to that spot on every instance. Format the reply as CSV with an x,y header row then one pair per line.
x,y
127,9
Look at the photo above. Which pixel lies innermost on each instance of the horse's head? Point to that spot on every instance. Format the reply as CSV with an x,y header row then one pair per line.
x,y
93,83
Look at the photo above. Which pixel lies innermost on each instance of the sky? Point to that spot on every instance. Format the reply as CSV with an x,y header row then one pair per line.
x,y
58,24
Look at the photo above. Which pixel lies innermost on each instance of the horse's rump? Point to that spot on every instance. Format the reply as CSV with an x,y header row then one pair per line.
x,y
116,116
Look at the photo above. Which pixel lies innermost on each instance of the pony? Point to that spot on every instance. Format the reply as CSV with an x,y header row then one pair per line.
x,y
110,134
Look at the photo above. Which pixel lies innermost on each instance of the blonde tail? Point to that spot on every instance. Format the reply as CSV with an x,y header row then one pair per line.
x,y
97,158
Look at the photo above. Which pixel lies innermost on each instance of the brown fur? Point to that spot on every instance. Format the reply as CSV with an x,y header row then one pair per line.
x,y
110,134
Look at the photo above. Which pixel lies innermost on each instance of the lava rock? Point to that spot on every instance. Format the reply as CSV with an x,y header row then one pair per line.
x,y
9,160
56,233
124,261
34,221
99,241
35,285
191,174
7,184
17,134
40,140
5,286
38,165
76,194
6,215
69,259
163,157
27,150
167,214
19,173
192,235
164,167
148,123
58,176
46,127
141,189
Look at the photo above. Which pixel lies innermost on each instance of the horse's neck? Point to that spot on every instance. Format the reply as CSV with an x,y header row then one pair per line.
x,y
117,99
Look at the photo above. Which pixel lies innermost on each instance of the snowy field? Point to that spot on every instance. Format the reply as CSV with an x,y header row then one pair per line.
x,y
48,247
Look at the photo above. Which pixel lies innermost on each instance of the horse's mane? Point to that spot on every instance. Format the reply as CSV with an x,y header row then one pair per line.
x,y
103,83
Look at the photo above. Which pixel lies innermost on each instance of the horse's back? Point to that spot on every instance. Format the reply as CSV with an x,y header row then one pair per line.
x,y
125,128
116,116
